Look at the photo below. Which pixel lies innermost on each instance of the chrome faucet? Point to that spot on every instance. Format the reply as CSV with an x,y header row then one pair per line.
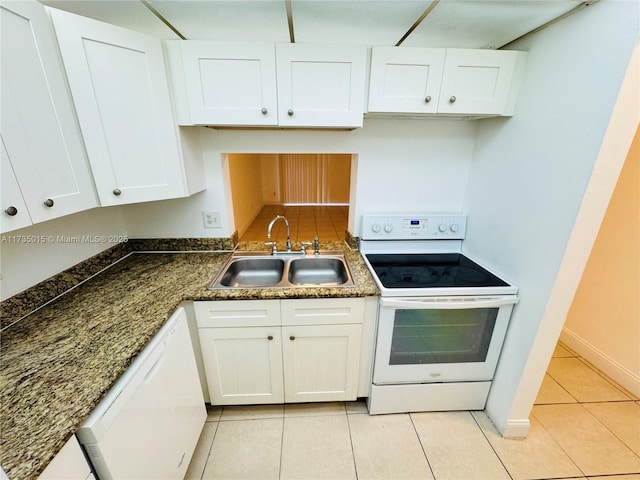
x,y
273,244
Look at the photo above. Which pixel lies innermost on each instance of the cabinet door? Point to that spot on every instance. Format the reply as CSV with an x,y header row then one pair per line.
x,y
320,85
230,83
405,79
476,81
38,125
321,363
119,86
243,365
14,209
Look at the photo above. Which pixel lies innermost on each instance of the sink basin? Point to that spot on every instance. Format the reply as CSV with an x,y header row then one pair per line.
x,y
317,271
263,270
253,272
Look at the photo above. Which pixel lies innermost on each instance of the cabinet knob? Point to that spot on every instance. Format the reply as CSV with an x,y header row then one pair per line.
x,y
11,211
264,110
290,113
270,337
292,338
427,99
49,203
452,99
117,192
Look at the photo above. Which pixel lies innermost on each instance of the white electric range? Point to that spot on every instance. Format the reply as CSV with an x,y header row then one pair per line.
x,y
442,316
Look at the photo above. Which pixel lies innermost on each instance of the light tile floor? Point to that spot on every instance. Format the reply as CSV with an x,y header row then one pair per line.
x,y
582,426
329,223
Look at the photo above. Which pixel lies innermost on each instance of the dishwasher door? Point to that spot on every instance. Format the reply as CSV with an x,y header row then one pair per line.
x,y
148,425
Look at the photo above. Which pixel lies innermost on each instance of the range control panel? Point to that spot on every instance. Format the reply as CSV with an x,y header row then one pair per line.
x,y
413,227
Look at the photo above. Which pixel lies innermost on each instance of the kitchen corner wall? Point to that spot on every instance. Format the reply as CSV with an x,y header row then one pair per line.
x,y
527,181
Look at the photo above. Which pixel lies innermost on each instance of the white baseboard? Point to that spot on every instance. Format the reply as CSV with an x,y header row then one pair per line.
x,y
618,373
517,429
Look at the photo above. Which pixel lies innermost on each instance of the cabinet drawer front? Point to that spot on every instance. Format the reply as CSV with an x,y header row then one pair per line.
x,y
322,311
238,313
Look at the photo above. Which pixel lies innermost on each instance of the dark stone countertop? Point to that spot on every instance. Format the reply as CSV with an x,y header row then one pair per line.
x,y
57,363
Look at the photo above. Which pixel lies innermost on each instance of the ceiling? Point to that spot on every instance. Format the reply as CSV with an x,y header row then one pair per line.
x,y
448,23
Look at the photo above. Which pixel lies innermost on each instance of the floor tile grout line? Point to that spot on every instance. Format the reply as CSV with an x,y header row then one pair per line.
x,y
562,387
475,420
353,453
281,450
415,430
558,444
594,369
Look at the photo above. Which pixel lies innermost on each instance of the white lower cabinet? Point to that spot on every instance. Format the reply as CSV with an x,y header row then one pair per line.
x,y
68,464
302,350
243,365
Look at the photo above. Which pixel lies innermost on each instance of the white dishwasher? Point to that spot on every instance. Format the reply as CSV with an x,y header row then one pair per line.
x,y
148,425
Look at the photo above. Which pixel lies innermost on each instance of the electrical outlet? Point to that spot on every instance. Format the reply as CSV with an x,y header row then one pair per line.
x,y
211,219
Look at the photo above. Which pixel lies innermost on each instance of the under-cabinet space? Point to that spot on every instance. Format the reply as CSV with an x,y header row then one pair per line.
x,y
45,172
274,351
266,84
120,90
453,82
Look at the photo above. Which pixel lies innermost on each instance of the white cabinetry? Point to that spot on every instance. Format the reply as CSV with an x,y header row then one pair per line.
x,y
320,85
231,83
120,89
262,84
241,351
445,81
270,351
69,463
41,145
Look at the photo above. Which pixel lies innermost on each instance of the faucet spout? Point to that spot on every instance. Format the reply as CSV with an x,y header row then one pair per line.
x,y
286,222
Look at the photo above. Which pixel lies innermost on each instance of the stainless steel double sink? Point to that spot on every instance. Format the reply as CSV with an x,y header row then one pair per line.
x,y
264,270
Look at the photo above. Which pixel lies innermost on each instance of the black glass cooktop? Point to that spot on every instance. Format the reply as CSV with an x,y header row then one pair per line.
x,y
430,270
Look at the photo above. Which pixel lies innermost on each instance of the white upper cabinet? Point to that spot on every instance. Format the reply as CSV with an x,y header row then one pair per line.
x,y
230,82
405,79
121,93
480,81
459,82
262,84
42,145
320,85
14,209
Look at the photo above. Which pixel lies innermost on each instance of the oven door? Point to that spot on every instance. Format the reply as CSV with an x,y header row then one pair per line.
x,y
440,339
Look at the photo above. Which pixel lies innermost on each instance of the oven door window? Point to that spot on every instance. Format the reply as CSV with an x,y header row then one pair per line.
x,y
428,336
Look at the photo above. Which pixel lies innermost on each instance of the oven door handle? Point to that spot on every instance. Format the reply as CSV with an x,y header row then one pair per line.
x,y
449,302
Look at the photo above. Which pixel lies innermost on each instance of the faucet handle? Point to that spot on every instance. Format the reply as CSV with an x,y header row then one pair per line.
x,y
316,246
274,248
303,246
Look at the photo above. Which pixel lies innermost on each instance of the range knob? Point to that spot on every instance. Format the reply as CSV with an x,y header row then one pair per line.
x,y
454,227
388,227
375,228
442,227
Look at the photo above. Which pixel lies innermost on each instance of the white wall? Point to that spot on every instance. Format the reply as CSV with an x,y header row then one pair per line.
x,y
528,178
402,165
50,247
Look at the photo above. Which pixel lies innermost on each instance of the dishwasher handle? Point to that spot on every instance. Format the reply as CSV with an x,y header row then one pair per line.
x,y
449,303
